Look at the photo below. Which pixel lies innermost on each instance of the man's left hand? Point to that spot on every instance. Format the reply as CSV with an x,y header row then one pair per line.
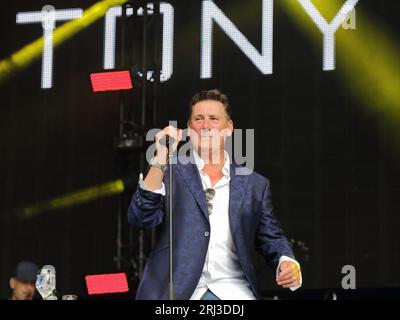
x,y
289,274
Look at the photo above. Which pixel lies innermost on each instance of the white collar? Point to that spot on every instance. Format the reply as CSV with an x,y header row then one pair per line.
x,y
200,162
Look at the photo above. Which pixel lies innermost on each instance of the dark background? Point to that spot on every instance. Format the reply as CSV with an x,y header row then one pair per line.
x,y
334,173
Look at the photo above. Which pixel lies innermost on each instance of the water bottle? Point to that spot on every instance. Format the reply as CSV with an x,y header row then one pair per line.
x,y
46,282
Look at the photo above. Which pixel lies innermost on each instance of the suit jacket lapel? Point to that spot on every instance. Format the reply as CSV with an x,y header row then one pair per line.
x,y
238,184
191,176
237,191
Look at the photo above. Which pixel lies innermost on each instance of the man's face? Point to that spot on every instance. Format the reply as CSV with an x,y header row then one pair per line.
x,y
209,126
22,290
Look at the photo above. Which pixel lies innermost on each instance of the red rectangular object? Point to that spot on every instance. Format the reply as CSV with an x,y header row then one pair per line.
x,y
111,81
106,283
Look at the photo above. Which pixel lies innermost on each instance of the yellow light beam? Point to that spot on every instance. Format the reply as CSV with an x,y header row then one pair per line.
x,y
368,57
28,54
72,199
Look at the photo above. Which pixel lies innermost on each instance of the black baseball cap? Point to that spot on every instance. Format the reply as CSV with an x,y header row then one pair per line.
x,y
26,271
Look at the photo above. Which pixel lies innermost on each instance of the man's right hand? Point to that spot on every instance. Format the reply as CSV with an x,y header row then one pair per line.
x,y
169,132
154,177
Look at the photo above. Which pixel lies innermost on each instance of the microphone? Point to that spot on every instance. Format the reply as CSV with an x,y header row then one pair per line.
x,y
46,282
167,141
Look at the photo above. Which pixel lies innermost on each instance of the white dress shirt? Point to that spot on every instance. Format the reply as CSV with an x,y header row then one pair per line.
x,y
222,273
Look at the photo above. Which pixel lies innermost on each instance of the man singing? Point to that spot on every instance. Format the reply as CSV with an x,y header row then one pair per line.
x,y
220,215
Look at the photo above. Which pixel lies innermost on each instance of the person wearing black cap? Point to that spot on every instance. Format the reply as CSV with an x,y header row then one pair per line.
x,y
22,283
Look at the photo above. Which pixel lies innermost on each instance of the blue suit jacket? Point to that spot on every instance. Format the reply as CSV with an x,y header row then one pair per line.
x,y
252,222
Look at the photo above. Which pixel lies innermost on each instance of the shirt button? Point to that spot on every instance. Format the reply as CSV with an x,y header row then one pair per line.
x,y
206,234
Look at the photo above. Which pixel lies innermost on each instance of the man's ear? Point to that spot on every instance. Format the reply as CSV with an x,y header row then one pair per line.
x,y
230,128
12,283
